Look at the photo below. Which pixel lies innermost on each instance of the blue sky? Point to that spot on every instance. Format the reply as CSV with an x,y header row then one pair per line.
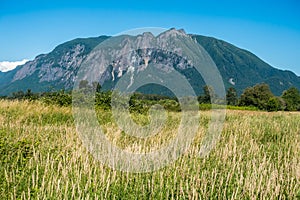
x,y
269,29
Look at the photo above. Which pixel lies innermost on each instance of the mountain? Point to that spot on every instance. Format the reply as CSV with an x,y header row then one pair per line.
x,y
241,68
52,71
57,70
135,60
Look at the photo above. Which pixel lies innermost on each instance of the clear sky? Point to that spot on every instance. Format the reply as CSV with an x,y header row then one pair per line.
x,y
269,29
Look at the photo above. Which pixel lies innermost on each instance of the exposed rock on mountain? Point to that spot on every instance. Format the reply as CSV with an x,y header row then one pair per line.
x,y
57,70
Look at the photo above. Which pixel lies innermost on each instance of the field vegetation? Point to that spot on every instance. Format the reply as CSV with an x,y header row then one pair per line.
x,y
42,157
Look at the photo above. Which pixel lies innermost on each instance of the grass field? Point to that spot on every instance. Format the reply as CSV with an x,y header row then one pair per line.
x,y
257,157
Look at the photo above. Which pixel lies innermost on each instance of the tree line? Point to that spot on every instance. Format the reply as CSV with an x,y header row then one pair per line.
x,y
258,96
261,97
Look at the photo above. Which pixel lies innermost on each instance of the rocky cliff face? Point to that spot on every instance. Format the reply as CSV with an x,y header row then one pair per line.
x,y
132,55
57,69
51,71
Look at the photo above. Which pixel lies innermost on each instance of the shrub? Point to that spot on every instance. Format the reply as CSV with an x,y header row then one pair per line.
x,y
258,96
292,99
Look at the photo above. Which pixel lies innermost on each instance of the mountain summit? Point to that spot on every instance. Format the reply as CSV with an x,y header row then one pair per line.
x,y
57,70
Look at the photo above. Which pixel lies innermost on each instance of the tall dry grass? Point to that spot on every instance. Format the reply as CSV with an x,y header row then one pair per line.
x,y
257,157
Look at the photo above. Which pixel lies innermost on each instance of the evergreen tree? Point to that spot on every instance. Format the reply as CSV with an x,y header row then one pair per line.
x,y
208,94
96,86
28,94
231,97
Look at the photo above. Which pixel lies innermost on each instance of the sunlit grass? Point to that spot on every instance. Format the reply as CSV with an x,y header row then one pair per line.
x,y
257,157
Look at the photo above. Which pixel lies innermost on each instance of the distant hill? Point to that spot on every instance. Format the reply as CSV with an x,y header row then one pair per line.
x,y
57,69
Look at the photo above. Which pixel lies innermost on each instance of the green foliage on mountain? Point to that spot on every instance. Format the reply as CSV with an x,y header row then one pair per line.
x,y
239,69
88,43
33,81
245,68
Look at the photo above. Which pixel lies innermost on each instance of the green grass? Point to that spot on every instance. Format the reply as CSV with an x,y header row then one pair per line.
x,y
204,106
257,157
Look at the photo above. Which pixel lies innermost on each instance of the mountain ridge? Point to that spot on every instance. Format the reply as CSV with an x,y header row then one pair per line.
x,y
255,67
239,68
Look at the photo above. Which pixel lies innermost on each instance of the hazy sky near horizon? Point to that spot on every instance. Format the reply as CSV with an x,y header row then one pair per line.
x,y
269,29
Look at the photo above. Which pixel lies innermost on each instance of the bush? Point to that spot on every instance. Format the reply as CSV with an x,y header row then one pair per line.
x,y
273,104
292,99
257,96
60,98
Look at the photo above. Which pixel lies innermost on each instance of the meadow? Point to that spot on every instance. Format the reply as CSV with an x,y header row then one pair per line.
x,y
42,157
